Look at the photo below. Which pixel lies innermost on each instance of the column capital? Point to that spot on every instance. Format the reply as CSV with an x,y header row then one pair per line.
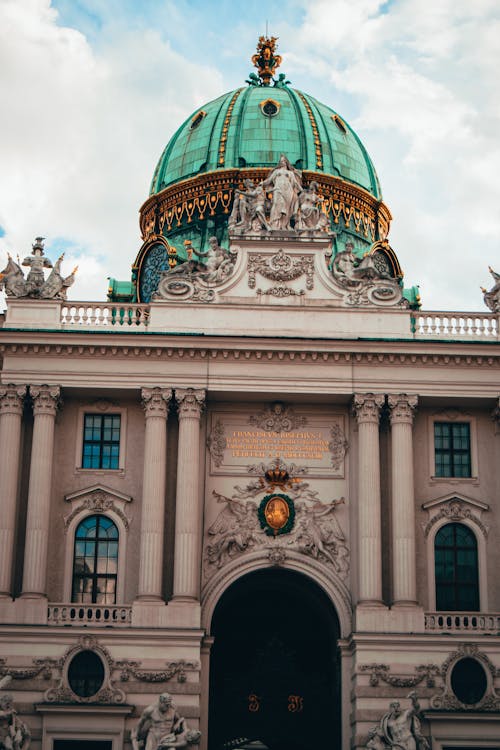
x,y
155,401
12,398
402,407
190,402
366,407
46,399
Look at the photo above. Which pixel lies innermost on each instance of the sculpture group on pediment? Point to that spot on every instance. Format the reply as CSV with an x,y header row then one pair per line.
x,y
399,729
363,280
492,297
280,203
194,278
161,727
35,285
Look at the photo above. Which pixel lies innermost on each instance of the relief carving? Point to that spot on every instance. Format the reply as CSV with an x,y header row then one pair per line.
x,y
363,281
217,443
455,510
132,669
315,533
100,501
281,268
338,446
381,673
277,418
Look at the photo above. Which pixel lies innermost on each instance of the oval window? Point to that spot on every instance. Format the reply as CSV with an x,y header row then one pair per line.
x,y
86,674
339,123
197,119
269,108
468,681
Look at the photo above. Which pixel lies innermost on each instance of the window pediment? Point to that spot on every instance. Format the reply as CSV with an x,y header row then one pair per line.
x,y
98,499
455,507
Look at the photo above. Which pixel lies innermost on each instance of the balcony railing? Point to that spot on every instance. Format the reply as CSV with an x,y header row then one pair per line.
x,y
104,315
90,614
463,622
456,325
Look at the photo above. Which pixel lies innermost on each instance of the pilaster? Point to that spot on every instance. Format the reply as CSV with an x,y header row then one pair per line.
x,y
46,400
11,411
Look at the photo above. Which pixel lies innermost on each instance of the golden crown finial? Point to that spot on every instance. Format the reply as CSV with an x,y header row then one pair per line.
x,y
265,60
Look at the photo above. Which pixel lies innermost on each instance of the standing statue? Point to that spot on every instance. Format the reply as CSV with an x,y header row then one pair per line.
x,y
37,261
492,297
310,216
285,182
14,733
160,727
249,208
398,729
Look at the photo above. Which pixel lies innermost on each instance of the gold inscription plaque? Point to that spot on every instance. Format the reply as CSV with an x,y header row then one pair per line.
x,y
310,445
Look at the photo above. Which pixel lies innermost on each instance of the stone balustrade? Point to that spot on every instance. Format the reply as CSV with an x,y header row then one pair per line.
x,y
462,622
91,314
89,614
456,325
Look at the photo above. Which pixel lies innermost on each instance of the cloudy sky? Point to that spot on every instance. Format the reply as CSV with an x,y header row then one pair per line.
x,y
91,91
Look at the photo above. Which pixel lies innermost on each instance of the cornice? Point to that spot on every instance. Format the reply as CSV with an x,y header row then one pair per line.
x,y
206,348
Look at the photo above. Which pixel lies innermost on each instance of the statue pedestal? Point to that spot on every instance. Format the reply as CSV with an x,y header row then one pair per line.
x,y
24,312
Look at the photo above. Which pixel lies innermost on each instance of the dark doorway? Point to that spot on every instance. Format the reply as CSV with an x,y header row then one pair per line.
x,y
274,668
82,745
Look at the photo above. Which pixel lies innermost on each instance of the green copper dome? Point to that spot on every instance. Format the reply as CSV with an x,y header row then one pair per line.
x,y
251,126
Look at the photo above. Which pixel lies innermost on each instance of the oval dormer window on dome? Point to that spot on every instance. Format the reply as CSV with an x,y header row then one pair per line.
x,y
340,124
269,107
197,119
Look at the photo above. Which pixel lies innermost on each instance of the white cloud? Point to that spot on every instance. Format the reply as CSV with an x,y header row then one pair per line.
x,y
83,131
86,121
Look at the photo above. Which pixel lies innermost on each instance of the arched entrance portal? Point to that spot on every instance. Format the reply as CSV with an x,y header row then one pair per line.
x,y
274,667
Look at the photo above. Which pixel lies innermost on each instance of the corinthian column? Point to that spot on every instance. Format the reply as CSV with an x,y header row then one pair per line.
x,y
367,412
155,402
11,410
188,504
45,403
402,409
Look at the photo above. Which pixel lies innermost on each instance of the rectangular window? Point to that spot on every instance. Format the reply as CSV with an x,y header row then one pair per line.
x,y
452,449
101,441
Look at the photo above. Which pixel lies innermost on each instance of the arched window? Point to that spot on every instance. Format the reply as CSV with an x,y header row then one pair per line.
x,y
95,563
457,581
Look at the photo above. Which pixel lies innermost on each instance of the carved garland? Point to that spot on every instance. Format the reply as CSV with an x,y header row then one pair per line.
x,y
131,669
281,268
41,667
381,672
337,446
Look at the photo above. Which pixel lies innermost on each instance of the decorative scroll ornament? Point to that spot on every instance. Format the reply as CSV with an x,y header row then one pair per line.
x,y
217,443
12,399
381,673
46,399
155,401
492,297
277,418
193,280
132,670
280,268
190,402
242,526
402,408
448,700
338,446
108,692
367,406
35,285
266,60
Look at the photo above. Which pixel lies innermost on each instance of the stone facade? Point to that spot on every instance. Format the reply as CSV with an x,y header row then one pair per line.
x,y
300,396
